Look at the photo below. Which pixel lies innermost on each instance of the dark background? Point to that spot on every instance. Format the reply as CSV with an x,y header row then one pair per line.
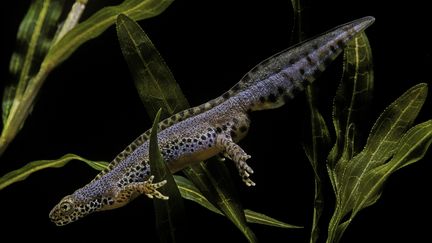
x,y
89,106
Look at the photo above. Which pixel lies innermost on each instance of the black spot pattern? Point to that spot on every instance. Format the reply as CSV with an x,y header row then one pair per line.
x,y
226,95
272,98
340,43
189,145
246,78
255,69
280,90
236,87
309,60
136,173
332,48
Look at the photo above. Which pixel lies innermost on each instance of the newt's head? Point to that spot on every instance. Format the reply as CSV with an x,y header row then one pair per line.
x,y
66,211
70,209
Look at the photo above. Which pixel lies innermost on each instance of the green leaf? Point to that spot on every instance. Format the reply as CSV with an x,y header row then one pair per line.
x,y
190,192
259,218
318,139
298,34
33,41
170,214
316,152
393,122
318,145
187,189
352,100
388,148
134,39
62,49
99,22
219,189
154,81
411,148
28,169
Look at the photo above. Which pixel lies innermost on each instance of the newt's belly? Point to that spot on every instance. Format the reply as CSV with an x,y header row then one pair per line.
x,y
190,158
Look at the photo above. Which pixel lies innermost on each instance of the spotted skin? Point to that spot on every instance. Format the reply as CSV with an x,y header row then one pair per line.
x,y
212,128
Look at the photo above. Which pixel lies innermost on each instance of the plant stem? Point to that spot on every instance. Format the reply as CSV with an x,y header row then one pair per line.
x,y
334,222
24,99
21,108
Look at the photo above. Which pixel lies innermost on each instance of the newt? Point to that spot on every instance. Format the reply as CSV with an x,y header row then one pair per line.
x,y
212,128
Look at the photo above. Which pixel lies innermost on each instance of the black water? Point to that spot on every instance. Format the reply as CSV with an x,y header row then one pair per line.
x,y
89,106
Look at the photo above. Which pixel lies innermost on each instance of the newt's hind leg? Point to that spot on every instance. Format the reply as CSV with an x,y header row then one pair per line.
x,y
235,153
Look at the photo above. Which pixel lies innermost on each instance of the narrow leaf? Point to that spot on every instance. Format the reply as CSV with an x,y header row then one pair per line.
x,y
154,81
223,191
28,169
394,121
190,192
217,192
353,95
298,32
259,218
170,214
318,139
187,189
411,148
316,151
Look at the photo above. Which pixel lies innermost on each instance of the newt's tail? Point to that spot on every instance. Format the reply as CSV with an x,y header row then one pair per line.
x,y
275,79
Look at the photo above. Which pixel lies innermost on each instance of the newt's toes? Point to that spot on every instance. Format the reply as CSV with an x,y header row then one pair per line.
x,y
248,182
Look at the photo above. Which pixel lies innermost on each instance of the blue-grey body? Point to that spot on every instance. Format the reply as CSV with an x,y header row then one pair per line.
x,y
201,132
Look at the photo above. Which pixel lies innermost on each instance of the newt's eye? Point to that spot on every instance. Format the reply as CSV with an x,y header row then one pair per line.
x,y
66,206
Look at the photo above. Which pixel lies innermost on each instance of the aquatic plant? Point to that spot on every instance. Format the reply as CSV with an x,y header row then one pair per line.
x,y
356,170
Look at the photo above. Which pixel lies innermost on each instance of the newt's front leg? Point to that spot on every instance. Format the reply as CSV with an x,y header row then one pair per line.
x,y
147,188
235,153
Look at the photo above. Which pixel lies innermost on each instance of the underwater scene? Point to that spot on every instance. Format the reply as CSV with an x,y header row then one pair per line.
x,y
209,121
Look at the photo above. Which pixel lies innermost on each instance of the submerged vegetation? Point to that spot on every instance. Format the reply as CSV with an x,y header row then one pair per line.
x,y
355,166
